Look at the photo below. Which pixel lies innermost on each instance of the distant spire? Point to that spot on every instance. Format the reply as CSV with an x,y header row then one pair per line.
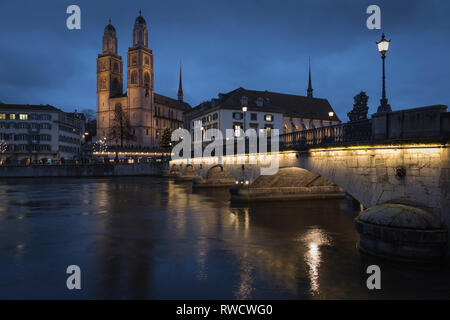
x,y
310,89
140,12
180,88
109,20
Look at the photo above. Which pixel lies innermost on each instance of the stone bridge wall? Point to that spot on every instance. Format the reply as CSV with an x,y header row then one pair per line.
x,y
371,174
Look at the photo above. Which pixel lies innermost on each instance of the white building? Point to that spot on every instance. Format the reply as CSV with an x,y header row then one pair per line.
x,y
263,111
263,120
39,133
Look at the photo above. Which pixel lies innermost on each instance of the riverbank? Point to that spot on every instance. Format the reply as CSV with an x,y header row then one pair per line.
x,y
83,170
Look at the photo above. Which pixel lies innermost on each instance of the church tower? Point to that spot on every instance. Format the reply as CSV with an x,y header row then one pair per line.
x,y
310,89
109,79
140,90
180,89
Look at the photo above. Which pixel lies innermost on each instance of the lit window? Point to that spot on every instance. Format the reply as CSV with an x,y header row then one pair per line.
x,y
237,129
2,116
23,116
268,117
12,116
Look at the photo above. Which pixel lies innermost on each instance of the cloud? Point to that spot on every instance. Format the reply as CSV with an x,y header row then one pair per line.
x,y
223,45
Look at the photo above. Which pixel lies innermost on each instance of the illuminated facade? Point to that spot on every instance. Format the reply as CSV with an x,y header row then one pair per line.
x,y
146,113
39,132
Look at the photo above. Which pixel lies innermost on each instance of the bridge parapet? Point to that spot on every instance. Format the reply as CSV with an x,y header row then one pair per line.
x,y
418,125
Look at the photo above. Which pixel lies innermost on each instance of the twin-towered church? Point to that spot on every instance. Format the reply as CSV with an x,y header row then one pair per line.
x,y
145,112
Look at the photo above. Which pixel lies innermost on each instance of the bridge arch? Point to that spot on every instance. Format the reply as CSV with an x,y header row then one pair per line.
x,y
289,183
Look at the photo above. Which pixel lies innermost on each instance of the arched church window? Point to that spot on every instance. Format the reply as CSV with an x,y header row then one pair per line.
x,y
115,84
134,77
146,80
116,67
147,61
134,60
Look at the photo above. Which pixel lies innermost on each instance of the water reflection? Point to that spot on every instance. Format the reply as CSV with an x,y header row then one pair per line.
x,y
153,238
314,239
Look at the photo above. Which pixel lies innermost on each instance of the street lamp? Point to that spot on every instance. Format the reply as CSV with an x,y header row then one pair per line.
x,y
244,110
330,116
383,47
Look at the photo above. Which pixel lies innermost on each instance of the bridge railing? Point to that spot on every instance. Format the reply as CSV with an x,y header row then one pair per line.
x,y
350,132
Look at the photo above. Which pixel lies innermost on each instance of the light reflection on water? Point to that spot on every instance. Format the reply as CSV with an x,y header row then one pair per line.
x,y
153,238
314,239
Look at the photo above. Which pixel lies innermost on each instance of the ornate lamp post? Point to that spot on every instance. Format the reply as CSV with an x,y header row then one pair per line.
x,y
383,47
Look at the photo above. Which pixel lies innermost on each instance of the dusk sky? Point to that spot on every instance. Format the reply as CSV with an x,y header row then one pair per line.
x,y
223,45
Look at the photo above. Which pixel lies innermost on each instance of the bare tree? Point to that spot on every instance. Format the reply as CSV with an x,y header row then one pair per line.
x,y
89,114
121,130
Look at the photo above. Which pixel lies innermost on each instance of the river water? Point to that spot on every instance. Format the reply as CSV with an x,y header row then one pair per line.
x,y
150,238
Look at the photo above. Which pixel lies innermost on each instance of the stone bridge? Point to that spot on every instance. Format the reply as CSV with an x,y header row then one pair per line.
x,y
401,156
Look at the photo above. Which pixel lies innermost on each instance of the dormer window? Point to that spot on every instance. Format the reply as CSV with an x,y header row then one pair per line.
x,y
244,100
259,102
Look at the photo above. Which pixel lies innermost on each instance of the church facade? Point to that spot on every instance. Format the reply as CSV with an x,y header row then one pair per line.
x,y
138,116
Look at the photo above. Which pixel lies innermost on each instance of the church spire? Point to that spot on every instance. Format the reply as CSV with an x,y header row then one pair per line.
x,y
180,88
310,89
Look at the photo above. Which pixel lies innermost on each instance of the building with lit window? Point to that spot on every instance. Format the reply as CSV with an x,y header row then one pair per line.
x,y
263,111
39,133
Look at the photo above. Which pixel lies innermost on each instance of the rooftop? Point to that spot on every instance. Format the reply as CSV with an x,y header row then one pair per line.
x,y
184,106
28,107
288,104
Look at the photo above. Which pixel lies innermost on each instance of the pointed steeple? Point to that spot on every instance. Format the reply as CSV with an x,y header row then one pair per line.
x,y
180,88
310,89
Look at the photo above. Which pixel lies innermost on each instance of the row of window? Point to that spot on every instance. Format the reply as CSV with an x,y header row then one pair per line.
x,y
253,116
22,125
69,139
210,118
67,129
170,114
39,147
25,116
259,101
236,116
69,149
25,137
29,148
238,126
134,60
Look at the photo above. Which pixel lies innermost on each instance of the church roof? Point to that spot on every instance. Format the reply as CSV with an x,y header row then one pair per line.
x,y
288,104
173,103
110,28
140,20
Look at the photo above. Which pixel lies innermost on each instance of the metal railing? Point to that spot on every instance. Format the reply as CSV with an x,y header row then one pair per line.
x,y
350,132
